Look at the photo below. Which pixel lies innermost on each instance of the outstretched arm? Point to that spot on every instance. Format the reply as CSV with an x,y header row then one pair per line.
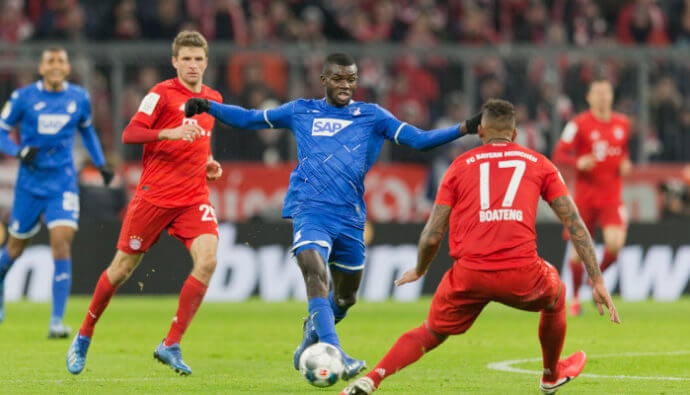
x,y
240,117
92,144
404,133
565,209
429,243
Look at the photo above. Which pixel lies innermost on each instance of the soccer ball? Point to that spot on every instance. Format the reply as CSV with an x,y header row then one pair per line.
x,y
321,364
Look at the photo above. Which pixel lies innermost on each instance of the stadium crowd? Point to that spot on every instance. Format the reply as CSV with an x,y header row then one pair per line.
x,y
425,91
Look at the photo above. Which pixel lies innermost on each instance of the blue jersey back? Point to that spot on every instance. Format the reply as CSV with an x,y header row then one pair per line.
x,y
336,147
47,120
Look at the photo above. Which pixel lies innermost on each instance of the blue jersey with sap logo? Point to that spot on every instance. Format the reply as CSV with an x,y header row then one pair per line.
x,y
336,147
49,120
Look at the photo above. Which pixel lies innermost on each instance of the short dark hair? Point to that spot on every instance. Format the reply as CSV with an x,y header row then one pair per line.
x,y
53,48
341,59
598,79
499,114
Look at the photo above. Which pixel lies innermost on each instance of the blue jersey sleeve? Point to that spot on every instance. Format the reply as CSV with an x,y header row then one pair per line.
x,y
89,136
404,133
11,114
239,117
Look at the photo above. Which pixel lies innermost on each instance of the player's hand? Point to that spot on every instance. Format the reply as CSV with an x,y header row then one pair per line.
x,y
213,170
586,162
409,276
196,105
625,167
107,175
601,297
472,124
27,154
188,132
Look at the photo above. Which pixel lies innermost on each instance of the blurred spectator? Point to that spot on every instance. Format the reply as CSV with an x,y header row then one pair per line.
x,y
675,198
642,22
166,21
61,19
14,25
666,103
679,22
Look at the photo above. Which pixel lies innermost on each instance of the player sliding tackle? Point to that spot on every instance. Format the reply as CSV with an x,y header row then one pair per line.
x,y
495,252
48,112
172,193
338,141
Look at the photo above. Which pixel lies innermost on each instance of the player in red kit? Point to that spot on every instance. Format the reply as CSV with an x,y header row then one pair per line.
x,y
489,198
596,144
172,194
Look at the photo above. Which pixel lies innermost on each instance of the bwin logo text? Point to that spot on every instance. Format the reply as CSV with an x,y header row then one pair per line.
x,y
328,126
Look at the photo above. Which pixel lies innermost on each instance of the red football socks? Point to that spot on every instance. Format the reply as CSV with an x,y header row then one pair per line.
x,y
101,297
578,270
609,259
408,349
552,326
192,294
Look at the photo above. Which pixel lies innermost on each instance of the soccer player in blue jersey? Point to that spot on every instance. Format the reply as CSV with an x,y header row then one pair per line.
x,y
48,113
338,141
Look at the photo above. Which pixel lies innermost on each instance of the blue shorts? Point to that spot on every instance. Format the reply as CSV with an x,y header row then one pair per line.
x,y
340,243
57,210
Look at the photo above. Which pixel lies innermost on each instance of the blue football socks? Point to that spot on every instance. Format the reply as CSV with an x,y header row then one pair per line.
x,y
324,322
62,281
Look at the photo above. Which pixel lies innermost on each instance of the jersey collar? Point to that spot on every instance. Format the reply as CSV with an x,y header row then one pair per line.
x,y
184,88
39,85
325,103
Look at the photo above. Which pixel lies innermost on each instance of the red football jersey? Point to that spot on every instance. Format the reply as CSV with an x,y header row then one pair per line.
x,y
494,191
174,172
608,142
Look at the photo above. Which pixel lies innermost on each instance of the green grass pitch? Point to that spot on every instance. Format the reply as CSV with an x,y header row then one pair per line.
x,y
247,347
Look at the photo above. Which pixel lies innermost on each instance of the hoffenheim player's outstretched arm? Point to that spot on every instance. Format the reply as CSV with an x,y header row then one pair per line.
x,y
240,117
404,133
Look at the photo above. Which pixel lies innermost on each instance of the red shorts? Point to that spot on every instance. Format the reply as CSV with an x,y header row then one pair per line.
x,y
614,215
144,223
463,293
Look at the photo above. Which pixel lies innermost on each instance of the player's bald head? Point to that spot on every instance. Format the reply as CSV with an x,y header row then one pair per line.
x,y
338,59
498,119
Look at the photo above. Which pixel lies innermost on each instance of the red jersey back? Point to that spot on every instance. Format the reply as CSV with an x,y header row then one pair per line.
x,y
608,142
494,191
174,172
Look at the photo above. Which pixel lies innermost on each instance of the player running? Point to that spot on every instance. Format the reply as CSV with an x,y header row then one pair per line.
x,y
338,141
48,112
172,193
596,144
489,196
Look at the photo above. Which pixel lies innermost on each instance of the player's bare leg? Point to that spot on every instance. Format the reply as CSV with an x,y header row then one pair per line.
x,y
61,244
344,293
614,240
577,270
320,311
203,251
409,348
12,251
118,272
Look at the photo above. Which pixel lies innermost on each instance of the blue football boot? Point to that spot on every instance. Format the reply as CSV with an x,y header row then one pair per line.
x,y
76,355
353,366
172,356
309,337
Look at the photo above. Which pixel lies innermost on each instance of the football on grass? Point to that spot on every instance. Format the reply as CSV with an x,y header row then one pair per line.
x,y
321,364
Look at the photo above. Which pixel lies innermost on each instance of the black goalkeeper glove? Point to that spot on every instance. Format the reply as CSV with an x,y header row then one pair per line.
x,y
107,175
472,124
27,154
196,105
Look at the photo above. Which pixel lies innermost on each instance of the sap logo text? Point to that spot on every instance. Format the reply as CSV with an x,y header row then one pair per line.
x,y
51,123
328,126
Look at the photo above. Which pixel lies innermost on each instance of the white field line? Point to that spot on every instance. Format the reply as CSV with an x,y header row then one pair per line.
x,y
506,366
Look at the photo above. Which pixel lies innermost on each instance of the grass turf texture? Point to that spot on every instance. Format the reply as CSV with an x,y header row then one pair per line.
x,y
247,347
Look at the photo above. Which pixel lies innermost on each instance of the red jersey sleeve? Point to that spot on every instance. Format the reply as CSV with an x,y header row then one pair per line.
x,y
552,185
447,191
150,107
564,153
